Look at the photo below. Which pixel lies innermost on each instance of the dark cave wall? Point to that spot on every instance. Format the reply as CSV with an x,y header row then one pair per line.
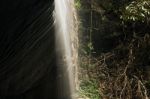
x,y
27,53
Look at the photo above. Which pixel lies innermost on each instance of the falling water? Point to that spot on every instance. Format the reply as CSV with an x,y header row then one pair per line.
x,y
66,46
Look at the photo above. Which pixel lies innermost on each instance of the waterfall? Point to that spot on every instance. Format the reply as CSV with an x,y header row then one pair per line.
x,y
66,47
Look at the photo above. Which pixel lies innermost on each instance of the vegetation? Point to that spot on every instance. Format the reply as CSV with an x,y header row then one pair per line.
x,y
138,10
114,49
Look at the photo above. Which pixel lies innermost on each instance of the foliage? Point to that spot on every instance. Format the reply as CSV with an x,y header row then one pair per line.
x,y
138,10
78,4
89,88
121,72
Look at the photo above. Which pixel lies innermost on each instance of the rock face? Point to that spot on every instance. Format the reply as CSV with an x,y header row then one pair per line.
x,y
27,53
99,22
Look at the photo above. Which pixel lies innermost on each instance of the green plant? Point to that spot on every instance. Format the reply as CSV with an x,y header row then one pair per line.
x,y
89,88
138,10
78,4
